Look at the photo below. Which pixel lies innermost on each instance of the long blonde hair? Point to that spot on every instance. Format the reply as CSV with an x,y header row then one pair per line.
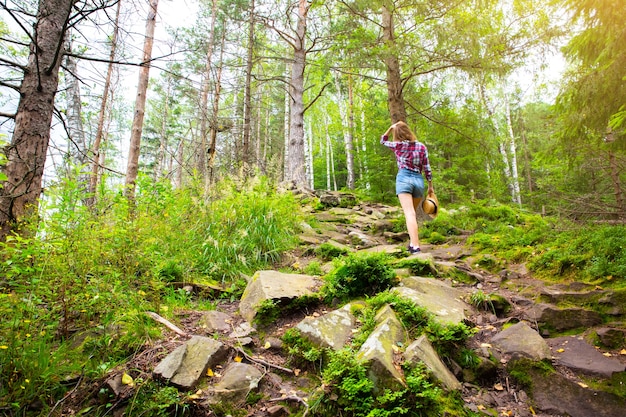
x,y
402,133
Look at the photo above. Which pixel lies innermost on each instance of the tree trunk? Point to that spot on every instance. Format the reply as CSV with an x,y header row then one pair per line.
x,y
395,99
214,115
366,171
347,123
296,171
330,159
97,160
617,185
308,150
76,142
201,162
140,104
287,133
517,198
26,155
160,162
247,102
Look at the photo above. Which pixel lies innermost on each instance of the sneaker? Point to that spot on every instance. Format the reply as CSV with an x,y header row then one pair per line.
x,y
413,250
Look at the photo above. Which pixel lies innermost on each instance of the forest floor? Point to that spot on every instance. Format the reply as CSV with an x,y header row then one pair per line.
x,y
281,392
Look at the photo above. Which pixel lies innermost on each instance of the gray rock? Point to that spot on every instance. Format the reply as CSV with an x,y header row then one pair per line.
x,y
215,321
579,356
422,350
332,330
444,301
521,341
188,363
551,317
244,329
378,351
273,285
237,381
556,394
611,338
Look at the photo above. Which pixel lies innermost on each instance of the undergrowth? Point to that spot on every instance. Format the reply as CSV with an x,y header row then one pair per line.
x,y
75,287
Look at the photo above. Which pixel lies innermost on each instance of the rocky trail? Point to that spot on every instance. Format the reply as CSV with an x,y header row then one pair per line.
x,y
249,368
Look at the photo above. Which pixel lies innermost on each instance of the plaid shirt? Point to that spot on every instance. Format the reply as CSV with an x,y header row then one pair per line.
x,y
410,155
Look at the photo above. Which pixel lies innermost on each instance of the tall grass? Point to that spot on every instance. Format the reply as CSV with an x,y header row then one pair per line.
x,y
75,285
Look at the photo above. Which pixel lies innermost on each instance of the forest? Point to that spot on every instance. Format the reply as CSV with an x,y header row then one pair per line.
x,y
145,141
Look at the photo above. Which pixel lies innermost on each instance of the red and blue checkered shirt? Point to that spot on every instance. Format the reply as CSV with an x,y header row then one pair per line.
x,y
410,155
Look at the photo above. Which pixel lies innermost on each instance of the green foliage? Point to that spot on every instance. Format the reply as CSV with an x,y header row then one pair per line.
x,y
78,283
522,371
593,254
300,348
352,392
357,275
414,318
267,312
418,266
328,252
313,268
348,378
155,400
480,300
448,339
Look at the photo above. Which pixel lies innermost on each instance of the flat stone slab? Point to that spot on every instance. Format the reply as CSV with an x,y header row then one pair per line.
x,y
578,355
274,285
437,297
556,395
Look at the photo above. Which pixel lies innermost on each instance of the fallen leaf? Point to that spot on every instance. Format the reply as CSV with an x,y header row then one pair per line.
x,y
498,387
196,395
607,354
267,345
481,407
296,372
485,345
560,350
127,380
532,411
238,358
622,352
582,384
209,372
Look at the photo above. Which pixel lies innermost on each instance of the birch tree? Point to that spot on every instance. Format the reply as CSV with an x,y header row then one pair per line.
x,y
77,146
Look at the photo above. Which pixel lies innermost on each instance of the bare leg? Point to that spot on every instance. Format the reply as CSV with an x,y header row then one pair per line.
x,y
408,206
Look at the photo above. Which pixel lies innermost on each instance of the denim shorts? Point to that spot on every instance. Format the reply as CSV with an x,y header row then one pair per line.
x,y
410,182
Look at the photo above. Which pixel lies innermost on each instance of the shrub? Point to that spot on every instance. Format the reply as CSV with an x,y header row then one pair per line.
x,y
358,275
328,252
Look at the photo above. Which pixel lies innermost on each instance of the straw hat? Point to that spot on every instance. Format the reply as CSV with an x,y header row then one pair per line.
x,y
430,205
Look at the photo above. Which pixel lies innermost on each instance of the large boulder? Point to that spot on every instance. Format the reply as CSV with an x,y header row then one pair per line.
x,y
557,395
275,286
378,351
422,350
444,301
521,341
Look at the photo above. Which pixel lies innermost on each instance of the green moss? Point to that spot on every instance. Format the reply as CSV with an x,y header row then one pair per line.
x,y
522,371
